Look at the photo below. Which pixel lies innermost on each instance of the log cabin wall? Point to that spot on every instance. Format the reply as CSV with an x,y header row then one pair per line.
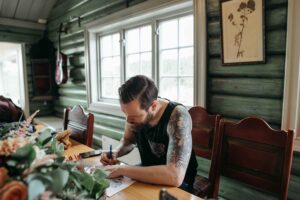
x,y
233,91
238,91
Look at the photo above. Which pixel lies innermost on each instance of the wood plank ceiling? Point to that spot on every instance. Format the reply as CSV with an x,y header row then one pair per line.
x,y
30,13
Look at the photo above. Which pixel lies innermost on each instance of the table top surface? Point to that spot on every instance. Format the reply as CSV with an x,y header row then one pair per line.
x,y
138,190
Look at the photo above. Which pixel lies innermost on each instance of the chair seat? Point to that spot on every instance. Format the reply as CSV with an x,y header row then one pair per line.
x,y
202,186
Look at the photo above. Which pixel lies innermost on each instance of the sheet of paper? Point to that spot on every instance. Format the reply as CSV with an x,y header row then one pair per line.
x,y
118,184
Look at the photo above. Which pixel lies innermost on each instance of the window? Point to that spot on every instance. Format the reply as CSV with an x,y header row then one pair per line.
x,y
110,65
176,59
138,56
157,41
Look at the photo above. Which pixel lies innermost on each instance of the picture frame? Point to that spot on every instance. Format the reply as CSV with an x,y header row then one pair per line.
x,y
242,32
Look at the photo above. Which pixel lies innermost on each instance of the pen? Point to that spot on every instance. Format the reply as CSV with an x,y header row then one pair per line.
x,y
110,151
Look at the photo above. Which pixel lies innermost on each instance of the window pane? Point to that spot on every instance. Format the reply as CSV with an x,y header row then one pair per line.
x,y
186,31
176,61
106,46
109,87
168,88
106,67
116,44
146,64
132,41
146,42
138,54
186,91
168,34
168,63
133,68
186,61
110,65
116,66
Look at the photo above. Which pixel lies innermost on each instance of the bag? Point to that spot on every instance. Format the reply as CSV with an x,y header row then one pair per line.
x,y
9,112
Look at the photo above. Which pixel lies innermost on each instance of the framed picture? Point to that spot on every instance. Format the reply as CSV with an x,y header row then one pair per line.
x,y
242,31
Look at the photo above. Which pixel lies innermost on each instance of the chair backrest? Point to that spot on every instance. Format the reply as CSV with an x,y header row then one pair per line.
x,y
254,153
205,143
81,124
203,132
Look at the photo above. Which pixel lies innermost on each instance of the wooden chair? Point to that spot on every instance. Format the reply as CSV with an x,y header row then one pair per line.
x,y
205,126
254,153
81,124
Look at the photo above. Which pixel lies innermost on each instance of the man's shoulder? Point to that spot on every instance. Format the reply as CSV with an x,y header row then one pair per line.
x,y
180,113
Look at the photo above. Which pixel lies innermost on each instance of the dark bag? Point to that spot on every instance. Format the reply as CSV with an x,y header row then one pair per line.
x,y
9,112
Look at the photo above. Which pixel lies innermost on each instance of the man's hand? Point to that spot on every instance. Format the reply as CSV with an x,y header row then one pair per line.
x,y
115,171
106,160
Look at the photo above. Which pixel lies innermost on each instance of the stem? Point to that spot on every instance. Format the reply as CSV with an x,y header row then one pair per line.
x,y
241,33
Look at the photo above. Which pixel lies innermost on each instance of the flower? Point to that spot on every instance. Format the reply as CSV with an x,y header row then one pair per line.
x,y
10,145
3,176
251,5
16,190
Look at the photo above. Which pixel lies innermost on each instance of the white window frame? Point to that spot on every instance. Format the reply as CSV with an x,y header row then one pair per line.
x,y
291,95
139,15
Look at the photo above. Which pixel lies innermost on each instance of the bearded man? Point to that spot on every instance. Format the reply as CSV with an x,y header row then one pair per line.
x,y
161,130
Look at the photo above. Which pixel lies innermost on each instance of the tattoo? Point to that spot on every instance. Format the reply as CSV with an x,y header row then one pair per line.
x,y
180,138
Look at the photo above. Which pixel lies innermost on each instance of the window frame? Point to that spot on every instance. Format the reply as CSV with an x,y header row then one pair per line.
x,y
150,12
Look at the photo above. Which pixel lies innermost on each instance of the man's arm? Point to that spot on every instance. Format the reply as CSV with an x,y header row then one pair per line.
x,y
126,146
127,143
180,142
178,155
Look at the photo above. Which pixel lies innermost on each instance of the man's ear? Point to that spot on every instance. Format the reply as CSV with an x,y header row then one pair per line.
x,y
154,105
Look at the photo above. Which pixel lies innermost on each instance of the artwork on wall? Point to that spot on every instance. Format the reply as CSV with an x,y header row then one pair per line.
x,y
242,31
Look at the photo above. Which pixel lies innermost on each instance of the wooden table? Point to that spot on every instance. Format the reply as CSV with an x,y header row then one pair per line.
x,y
138,190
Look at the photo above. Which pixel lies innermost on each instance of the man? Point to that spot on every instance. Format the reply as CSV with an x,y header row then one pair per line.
x,y
161,129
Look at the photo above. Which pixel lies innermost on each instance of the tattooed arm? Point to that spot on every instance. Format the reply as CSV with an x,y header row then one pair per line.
x,y
180,143
178,155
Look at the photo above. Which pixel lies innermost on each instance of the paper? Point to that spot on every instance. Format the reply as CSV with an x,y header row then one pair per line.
x,y
118,184
115,185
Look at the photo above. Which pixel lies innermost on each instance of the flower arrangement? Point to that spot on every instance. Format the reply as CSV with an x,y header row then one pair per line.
x,y
33,167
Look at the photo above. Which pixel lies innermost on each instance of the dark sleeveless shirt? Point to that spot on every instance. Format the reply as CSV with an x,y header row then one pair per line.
x,y
153,142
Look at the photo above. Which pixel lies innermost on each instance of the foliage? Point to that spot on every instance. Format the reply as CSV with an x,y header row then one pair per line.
x,y
40,164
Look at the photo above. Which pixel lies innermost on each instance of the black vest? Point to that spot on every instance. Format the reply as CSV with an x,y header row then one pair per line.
x,y
153,145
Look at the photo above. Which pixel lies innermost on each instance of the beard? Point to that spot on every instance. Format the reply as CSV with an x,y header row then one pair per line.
x,y
145,124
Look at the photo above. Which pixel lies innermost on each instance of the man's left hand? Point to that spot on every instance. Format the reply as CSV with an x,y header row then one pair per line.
x,y
115,171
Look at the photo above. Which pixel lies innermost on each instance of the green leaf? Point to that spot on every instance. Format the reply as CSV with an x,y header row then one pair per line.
x,y
35,189
87,181
23,152
60,178
45,136
25,155
99,174
56,148
41,177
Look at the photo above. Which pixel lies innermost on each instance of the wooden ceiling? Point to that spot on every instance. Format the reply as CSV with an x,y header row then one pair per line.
x,y
25,12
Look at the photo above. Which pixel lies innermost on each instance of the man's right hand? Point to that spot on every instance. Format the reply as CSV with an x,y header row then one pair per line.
x,y
106,160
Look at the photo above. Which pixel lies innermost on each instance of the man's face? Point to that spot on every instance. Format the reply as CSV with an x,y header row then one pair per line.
x,y
136,116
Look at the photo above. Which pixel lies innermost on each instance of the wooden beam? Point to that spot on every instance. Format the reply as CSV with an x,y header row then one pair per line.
x,y
21,23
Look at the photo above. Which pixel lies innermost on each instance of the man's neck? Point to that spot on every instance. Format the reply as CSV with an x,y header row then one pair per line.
x,y
157,114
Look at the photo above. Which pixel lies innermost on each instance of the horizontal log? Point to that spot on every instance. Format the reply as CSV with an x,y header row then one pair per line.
x,y
241,107
274,68
252,87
